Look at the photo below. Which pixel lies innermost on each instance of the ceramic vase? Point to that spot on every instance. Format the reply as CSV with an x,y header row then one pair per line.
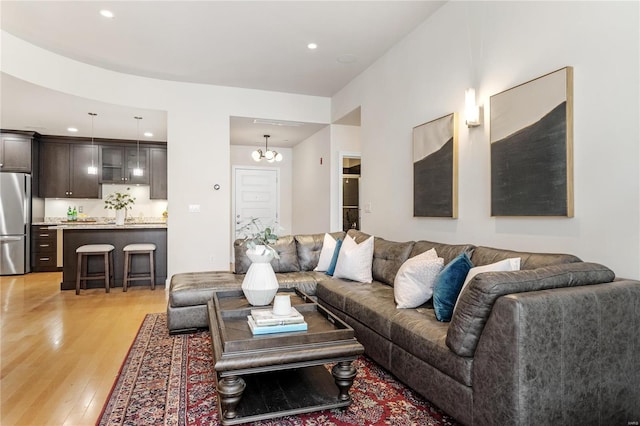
x,y
120,214
260,284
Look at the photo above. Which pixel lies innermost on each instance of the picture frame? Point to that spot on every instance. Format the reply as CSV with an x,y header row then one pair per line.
x,y
435,168
531,139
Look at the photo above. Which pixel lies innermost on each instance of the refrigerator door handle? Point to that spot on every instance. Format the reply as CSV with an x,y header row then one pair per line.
x,y
9,239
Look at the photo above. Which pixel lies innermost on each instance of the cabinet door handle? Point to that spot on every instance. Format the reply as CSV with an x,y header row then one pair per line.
x,y
44,245
44,235
44,259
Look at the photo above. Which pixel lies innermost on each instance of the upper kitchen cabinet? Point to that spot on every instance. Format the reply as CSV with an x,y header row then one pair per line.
x,y
17,152
158,160
63,170
117,164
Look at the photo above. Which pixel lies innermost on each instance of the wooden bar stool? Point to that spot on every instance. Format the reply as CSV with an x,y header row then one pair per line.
x,y
129,251
82,274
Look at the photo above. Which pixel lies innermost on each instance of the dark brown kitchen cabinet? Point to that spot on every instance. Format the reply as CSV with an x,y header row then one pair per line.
x,y
16,152
158,165
44,246
63,171
117,164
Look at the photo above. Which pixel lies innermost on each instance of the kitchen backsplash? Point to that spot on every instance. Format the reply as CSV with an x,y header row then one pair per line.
x,y
143,208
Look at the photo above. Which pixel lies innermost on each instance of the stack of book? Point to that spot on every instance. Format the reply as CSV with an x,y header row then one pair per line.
x,y
264,321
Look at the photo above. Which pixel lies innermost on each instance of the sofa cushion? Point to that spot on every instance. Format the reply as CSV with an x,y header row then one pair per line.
x,y
363,301
446,251
448,284
418,332
196,288
334,258
327,253
413,284
354,260
388,257
477,301
309,248
528,260
286,249
511,264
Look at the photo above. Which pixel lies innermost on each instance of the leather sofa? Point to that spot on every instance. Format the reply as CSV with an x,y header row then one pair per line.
x,y
554,343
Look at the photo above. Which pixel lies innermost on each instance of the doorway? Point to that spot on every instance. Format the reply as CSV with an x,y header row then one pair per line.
x,y
350,191
256,195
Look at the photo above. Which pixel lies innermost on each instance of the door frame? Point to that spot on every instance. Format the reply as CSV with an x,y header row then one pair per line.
x,y
341,156
233,198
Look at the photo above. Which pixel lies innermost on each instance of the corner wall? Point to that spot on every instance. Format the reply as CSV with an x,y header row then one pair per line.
x,y
494,46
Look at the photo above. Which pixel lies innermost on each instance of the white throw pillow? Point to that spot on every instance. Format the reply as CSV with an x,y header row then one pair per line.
x,y
413,284
511,264
355,260
328,247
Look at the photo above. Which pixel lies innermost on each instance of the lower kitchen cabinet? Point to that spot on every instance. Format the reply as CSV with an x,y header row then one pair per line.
x,y
44,246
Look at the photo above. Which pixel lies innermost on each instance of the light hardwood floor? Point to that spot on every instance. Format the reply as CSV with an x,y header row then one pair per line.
x,y
60,353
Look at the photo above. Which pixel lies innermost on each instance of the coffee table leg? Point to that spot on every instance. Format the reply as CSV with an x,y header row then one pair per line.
x,y
230,392
344,373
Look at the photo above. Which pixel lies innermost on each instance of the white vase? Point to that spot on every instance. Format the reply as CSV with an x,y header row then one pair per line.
x,y
260,284
120,214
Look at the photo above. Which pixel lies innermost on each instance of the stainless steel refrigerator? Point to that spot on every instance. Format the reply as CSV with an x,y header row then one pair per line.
x,y
15,223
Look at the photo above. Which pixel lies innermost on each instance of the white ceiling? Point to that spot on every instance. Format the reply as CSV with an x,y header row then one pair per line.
x,y
252,44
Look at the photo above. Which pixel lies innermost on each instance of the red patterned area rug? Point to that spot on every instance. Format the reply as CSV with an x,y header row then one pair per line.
x,y
169,380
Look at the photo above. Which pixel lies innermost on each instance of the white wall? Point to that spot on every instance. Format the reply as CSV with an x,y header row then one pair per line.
x,y
241,156
197,141
494,46
311,184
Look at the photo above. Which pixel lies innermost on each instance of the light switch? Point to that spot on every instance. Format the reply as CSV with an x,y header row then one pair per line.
x,y
194,208
367,207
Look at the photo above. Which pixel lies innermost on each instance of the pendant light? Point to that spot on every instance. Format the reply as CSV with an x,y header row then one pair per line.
x,y
138,171
92,169
268,154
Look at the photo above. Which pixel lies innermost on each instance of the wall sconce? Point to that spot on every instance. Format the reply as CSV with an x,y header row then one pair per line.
x,y
472,110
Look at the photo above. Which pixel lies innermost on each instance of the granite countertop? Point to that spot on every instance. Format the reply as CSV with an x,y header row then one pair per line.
x,y
102,223
98,225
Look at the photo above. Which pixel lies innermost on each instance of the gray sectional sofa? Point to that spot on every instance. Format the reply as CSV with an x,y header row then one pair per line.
x,y
554,343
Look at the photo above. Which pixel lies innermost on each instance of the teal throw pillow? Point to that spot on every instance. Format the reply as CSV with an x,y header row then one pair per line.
x,y
447,286
334,258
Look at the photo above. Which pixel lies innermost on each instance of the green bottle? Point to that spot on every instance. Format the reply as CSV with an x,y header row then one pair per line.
x,y
69,214
74,214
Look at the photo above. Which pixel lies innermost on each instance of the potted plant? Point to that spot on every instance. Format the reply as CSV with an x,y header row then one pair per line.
x,y
260,284
258,237
120,202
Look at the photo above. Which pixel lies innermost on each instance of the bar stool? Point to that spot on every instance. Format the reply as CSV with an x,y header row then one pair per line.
x,y
129,251
82,274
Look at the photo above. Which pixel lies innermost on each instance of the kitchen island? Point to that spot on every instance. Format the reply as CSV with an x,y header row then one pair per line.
x,y
76,235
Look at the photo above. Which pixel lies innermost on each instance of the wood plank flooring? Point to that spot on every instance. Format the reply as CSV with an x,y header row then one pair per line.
x,y
60,353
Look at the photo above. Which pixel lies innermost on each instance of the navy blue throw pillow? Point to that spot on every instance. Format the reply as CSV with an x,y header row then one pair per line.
x,y
334,258
447,286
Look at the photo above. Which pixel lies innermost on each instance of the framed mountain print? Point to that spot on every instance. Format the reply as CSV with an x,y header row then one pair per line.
x,y
532,147
435,168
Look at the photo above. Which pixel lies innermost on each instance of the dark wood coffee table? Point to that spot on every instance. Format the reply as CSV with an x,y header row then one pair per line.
x,y
274,375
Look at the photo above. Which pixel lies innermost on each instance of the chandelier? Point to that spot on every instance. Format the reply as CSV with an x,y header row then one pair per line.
x,y
268,154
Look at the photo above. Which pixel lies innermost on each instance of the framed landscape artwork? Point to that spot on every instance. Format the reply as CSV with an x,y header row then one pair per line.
x,y
435,168
532,147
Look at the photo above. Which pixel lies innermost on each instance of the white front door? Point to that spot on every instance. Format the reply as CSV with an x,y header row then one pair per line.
x,y
256,196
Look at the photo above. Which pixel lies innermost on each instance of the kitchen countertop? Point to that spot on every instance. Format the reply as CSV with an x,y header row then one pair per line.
x,y
102,225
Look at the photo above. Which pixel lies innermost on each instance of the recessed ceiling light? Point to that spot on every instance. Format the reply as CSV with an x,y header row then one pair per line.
x,y
107,13
312,46
148,134
72,129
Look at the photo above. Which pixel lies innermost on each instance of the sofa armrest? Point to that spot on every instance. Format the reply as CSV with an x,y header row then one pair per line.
x,y
561,356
